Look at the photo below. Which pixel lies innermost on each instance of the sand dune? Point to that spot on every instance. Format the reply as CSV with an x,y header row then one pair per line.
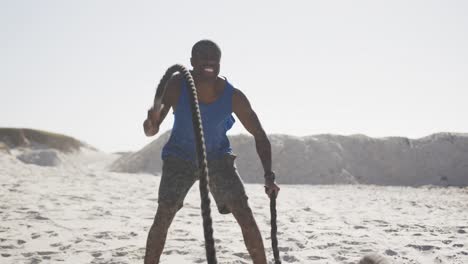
x,y
440,159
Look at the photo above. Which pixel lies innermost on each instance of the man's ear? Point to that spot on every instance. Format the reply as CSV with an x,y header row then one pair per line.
x,y
191,61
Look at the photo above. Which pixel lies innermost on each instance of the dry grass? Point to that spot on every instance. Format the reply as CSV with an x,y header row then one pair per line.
x,y
23,137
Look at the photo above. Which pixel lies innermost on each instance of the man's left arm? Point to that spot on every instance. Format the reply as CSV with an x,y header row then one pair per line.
x,y
244,112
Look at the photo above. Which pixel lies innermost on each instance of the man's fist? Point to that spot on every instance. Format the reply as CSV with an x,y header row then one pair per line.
x,y
149,128
151,124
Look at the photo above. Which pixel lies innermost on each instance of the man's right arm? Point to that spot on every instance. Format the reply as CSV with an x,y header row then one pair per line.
x,y
156,116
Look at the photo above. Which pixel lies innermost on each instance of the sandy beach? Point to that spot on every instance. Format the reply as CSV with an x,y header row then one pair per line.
x,y
79,212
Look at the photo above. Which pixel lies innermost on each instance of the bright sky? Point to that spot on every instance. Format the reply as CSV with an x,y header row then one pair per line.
x,y
89,69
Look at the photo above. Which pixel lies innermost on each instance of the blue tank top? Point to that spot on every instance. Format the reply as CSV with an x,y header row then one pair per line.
x,y
217,119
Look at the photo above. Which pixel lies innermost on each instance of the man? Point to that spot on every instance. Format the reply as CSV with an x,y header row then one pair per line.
x,y
217,100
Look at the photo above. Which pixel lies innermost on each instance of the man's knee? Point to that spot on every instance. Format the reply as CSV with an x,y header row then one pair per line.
x,y
166,212
242,213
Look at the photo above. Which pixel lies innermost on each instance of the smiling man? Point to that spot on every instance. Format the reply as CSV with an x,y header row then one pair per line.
x,y
218,99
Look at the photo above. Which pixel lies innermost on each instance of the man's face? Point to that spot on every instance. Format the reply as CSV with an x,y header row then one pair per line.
x,y
206,64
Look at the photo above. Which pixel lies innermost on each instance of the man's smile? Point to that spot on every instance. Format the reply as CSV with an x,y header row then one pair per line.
x,y
208,69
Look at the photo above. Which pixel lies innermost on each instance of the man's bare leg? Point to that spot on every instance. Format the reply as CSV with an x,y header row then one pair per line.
x,y
158,233
252,237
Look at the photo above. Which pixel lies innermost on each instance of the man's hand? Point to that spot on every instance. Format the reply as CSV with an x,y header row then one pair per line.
x,y
151,124
271,188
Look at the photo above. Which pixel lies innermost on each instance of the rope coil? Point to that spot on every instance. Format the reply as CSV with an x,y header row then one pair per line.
x,y
200,152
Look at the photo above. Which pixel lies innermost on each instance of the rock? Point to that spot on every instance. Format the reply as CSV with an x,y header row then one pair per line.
x,y
45,157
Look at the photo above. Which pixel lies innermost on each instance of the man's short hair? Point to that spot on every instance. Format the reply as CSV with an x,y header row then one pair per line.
x,y
206,45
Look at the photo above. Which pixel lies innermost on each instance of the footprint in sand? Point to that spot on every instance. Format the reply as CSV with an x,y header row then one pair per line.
x,y
96,254
103,235
359,227
300,245
423,247
352,242
52,233
35,261
242,255
315,258
39,217
289,258
184,239
326,246
373,259
176,251
341,258
65,247
284,249
45,253
381,223
119,254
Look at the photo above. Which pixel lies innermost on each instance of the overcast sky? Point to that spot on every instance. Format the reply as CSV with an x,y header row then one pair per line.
x,y
89,69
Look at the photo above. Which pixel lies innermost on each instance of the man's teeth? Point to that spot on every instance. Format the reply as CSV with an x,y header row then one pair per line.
x,y
208,69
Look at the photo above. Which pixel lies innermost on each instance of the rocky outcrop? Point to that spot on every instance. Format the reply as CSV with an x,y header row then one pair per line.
x,y
46,157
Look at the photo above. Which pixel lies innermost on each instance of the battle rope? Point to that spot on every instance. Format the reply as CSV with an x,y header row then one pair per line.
x,y
200,151
274,239
202,164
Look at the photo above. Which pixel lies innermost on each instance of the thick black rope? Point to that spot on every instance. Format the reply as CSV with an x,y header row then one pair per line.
x,y
200,152
274,239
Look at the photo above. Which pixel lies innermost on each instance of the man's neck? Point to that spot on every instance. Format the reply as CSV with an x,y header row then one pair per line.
x,y
205,84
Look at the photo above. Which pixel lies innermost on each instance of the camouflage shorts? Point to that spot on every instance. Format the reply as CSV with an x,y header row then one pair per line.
x,y
225,185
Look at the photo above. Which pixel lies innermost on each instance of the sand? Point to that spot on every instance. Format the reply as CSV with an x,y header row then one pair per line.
x,y
79,212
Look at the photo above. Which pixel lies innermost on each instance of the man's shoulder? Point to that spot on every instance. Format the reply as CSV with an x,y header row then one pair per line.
x,y
176,80
239,99
235,91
